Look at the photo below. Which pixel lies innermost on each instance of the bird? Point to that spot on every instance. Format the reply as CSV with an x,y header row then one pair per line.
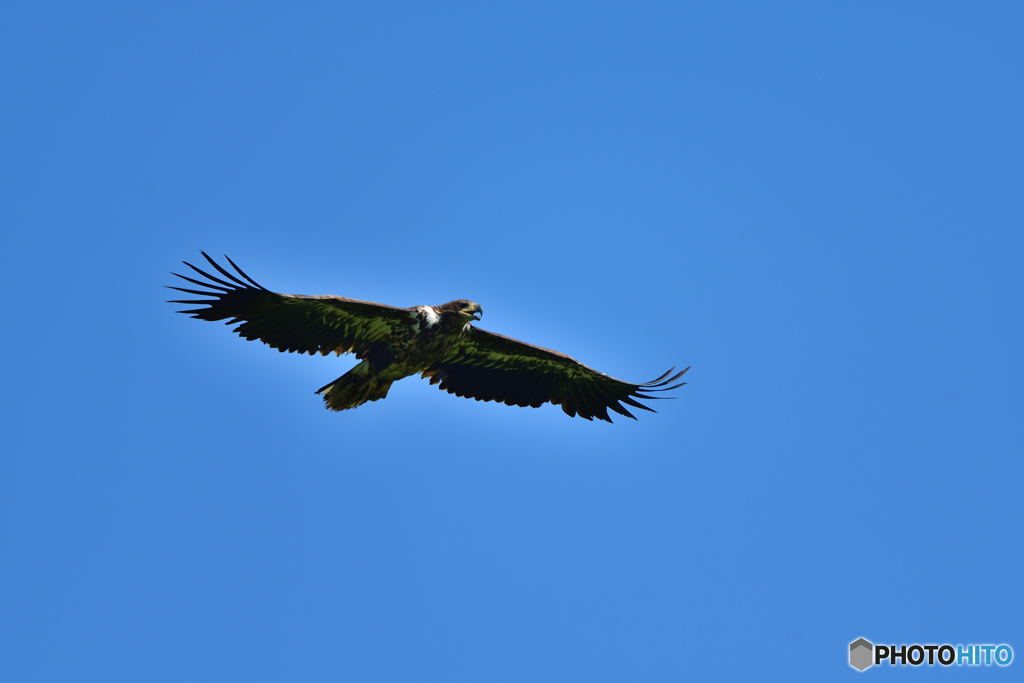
x,y
440,343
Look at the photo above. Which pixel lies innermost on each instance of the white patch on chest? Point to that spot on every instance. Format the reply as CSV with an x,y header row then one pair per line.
x,y
429,315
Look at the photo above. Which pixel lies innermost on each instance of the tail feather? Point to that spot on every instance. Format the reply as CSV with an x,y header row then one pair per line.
x,y
354,388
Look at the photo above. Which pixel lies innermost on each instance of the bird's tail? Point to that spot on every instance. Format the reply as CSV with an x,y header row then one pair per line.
x,y
354,388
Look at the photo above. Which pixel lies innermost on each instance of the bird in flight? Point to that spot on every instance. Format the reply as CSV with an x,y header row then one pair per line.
x,y
440,343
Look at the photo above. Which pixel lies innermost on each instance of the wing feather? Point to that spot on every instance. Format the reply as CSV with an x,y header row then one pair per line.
x,y
290,322
492,367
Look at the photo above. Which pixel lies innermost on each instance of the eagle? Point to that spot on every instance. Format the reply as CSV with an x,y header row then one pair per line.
x,y
439,343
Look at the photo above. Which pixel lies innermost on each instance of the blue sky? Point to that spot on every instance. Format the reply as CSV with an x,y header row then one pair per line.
x,y
817,205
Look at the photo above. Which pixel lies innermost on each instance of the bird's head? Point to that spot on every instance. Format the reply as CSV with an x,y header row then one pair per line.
x,y
464,308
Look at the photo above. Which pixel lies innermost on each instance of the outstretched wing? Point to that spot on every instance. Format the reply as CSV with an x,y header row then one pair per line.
x,y
290,322
491,367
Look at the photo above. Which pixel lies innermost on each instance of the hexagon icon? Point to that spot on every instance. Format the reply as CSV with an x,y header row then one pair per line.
x,y
862,654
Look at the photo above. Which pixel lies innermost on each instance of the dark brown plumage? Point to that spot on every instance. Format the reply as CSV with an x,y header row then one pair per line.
x,y
437,342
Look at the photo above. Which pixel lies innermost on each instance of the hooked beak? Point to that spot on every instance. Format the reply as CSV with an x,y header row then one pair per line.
x,y
478,312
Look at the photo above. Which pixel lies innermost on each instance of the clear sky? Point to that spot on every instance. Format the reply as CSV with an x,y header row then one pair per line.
x,y
817,205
